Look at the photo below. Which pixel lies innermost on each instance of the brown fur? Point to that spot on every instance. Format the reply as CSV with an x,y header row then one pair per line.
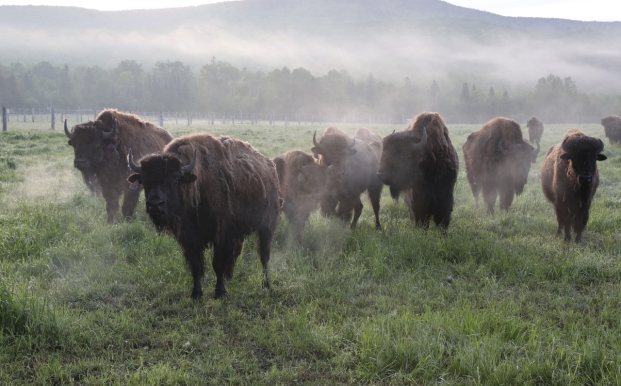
x,y
441,150
487,169
561,175
535,130
612,129
374,140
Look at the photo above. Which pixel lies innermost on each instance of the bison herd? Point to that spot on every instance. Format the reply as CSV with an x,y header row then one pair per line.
x,y
214,191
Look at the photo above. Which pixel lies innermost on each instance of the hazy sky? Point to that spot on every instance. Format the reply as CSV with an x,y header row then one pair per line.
x,y
603,10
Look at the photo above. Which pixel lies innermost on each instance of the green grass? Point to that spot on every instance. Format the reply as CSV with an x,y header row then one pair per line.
x,y
84,302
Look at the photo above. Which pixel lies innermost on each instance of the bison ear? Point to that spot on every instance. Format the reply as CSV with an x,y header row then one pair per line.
x,y
315,152
69,143
565,156
601,157
187,178
133,178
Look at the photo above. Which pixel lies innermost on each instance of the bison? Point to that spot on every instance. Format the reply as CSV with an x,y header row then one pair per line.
x,y
569,178
101,149
422,162
302,182
498,161
535,130
612,129
374,140
211,191
354,171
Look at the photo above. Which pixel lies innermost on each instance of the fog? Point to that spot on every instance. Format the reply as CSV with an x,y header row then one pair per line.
x,y
481,53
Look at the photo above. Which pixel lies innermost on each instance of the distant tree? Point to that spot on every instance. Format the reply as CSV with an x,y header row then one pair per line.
x,y
13,95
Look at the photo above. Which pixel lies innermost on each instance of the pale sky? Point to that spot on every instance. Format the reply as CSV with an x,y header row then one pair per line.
x,y
600,10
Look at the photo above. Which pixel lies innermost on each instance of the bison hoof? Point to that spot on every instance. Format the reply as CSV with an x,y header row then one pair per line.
x,y
220,294
265,284
196,295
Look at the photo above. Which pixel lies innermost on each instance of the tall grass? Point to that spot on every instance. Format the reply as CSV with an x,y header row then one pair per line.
x,y
498,301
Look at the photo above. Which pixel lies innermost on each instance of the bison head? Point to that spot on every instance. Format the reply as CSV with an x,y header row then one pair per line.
x,y
402,155
333,148
581,154
92,145
311,180
515,163
162,175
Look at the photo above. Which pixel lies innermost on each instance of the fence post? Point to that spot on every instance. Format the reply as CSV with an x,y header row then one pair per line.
x,y
53,120
161,119
4,121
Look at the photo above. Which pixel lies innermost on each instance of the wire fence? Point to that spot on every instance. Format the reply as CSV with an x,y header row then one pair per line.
x,y
164,118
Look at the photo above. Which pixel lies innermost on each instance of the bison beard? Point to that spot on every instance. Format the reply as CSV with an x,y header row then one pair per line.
x,y
422,162
211,191
569,179
101,149
497,162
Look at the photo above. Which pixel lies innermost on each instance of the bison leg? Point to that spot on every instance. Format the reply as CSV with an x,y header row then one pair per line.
x,y
374,193
564,219
225,252
130,200
265,247
345,209
580,222
506,198
195,258
489,196
357,211
476,189
112,203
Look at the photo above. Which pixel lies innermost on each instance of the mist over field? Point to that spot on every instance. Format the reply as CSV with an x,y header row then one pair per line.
x,y
422,40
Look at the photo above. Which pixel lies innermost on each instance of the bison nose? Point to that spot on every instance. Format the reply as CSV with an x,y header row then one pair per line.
x,y
80,163
585,180
156,206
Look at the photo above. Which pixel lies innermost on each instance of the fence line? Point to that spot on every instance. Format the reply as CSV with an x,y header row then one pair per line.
x,y
165,118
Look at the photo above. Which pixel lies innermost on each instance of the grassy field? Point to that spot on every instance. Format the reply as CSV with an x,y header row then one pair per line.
x,y
84,302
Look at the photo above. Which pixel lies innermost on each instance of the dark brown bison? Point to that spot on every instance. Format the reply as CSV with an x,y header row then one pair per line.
x,y
422,162
569,178
535,130
372,139
354,171
302,182
211,191
612,129
101,149
498,161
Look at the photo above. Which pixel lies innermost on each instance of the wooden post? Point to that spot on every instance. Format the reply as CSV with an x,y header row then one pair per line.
x,y
4,121
189,119
53,119
161,119
33,115
241,117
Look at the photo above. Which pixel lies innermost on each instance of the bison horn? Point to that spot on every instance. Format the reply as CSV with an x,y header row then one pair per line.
x,y
132,164
110,135
423,142
188,168
353,144
563,145
315,140
394,131
500,149
67,133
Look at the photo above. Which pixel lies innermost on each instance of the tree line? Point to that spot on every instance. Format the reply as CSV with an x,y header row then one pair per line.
x,y
223,88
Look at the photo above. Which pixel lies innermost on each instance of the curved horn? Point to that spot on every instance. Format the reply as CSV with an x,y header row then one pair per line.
x,y
500,149
394,131
423,142
353,144
315,140
110,135
188,168
67,133
132,164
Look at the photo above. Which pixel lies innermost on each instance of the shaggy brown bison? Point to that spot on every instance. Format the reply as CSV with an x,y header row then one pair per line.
x,y
498,161
612,129
569,178
372,139
535,130
355,165
422,162
302,182
101,149
211,191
